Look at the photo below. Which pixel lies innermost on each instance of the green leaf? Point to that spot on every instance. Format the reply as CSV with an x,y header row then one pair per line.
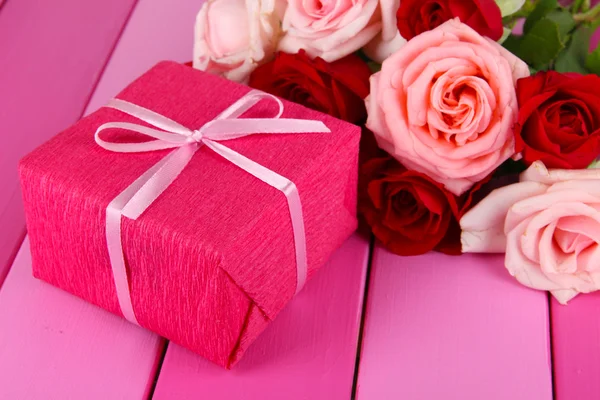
x,y
595,164
508,7
565,22
513,44
542,44
539,12
567,63
573,58
592,61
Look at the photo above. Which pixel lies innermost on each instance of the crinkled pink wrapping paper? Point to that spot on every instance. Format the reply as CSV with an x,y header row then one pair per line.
x,y
211,262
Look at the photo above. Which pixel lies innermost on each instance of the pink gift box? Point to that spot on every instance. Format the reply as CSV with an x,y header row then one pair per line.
x,y
212,261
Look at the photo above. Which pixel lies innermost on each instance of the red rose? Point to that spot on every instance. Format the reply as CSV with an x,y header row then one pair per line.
x,y
417,16
559,119
407,211
336,88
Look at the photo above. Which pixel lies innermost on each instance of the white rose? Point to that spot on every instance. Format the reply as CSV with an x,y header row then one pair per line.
x,y
233,37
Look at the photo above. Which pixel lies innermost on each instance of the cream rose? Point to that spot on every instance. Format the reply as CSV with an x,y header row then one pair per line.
x,y
388,41
445,105
549,226
232,37
330,29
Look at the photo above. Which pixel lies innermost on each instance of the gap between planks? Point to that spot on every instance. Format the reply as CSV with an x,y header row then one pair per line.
x,y
313,341
362,317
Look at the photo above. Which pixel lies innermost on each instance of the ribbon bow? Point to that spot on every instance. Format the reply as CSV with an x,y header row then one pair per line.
x,y
138,196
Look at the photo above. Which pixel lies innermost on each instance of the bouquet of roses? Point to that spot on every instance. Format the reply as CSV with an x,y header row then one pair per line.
x,y
460,96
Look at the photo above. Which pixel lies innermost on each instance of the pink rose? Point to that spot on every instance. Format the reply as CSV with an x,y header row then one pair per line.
x,y
445,105
330,29
388,41
549,226
232,37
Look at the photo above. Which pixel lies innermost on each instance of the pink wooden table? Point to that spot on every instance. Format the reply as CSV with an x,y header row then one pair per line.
x,y
370,326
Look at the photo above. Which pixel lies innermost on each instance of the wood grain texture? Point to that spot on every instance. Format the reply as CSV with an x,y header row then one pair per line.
x,y
440,327
308,352
576,347
158,30
53,345
52,55
56,346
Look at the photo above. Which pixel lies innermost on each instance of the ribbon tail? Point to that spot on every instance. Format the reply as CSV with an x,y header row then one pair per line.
x,y
288,188
115,245
131,202
117,262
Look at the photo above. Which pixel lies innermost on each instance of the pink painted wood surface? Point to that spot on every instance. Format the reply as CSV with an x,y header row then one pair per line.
x,y
440,327
576,347
56,346
158,30
308,352
52,54
53,345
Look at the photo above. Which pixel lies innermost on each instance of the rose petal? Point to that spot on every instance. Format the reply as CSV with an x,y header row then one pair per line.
x,y
525,271
483,225
538,172
379,49
256,25
563,296
330,30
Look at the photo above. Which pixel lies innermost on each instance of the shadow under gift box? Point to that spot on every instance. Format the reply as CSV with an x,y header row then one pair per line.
x,y
212,260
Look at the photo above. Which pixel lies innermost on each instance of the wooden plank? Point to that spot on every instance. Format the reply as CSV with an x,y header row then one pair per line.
x,y
53,52
12,218
576,347
308,352
56,346
441,327
158,30
53,345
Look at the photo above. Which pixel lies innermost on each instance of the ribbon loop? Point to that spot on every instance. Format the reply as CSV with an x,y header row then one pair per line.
x,y
247,102
140,195
148,116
